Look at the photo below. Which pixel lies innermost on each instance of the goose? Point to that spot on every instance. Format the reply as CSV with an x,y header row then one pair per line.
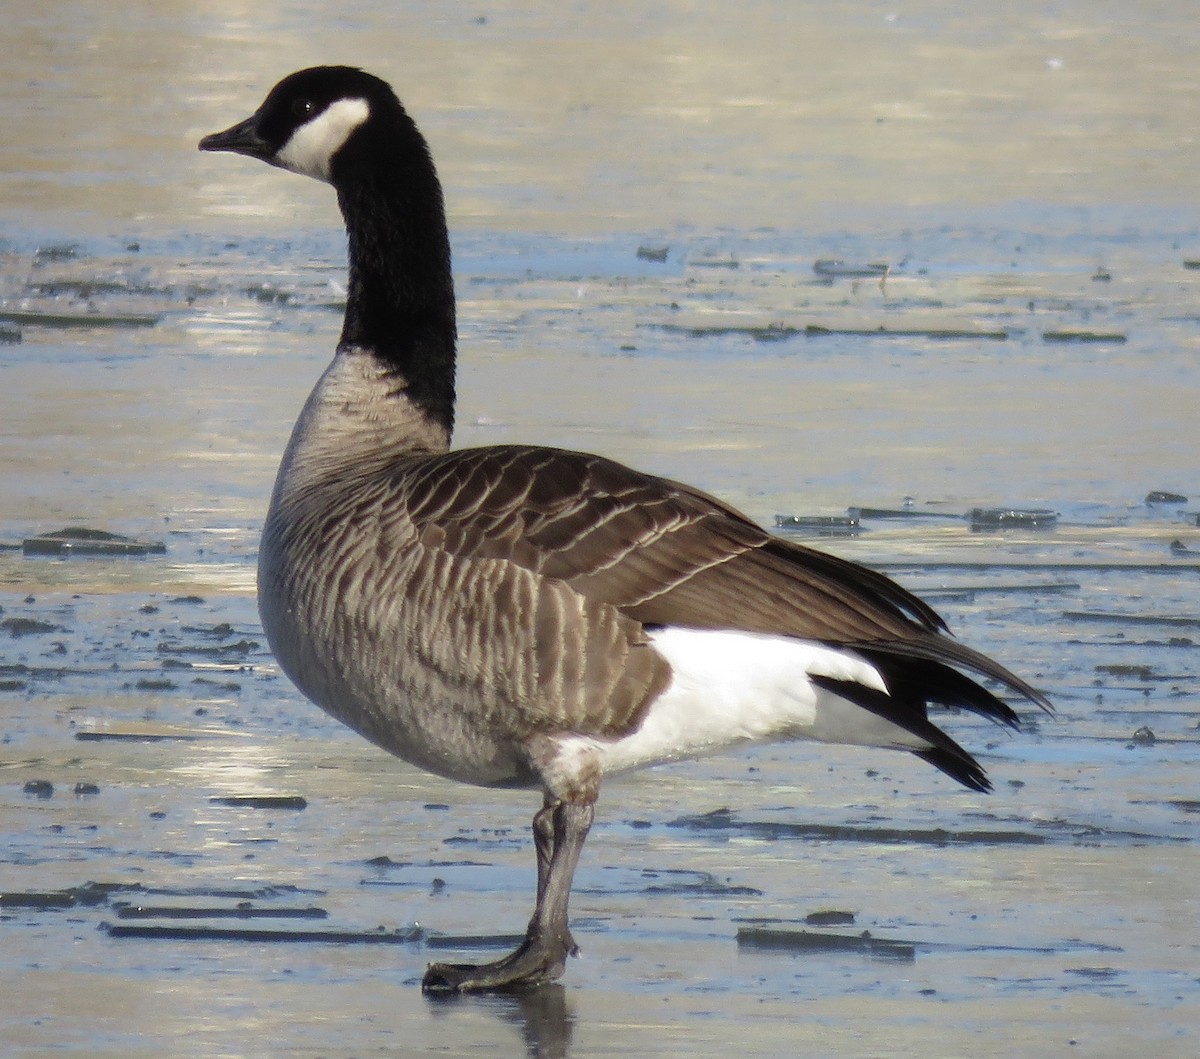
x,y
517,616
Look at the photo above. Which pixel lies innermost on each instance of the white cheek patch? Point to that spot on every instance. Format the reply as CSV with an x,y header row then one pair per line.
x,y
310,149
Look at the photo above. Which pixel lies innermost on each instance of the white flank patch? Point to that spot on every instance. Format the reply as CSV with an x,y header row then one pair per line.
x,y
734,688
310,149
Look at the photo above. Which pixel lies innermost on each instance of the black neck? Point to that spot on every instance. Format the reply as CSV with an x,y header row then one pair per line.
x,y
400,302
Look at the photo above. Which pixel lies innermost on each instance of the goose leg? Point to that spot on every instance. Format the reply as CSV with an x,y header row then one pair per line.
x,y
543,843
559,831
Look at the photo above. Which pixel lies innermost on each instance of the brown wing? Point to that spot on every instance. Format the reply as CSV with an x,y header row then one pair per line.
x,y
658,551
662,553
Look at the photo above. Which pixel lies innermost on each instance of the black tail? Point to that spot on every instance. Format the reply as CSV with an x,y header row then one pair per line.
x,y
919,672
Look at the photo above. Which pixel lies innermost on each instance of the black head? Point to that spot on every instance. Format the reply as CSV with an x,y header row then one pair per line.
x,y
347,128
309,118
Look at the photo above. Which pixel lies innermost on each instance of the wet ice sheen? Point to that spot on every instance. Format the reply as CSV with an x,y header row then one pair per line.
x,y
1056,901
1054,911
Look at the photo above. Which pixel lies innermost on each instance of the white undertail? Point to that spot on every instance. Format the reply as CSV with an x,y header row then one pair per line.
x,y
733,688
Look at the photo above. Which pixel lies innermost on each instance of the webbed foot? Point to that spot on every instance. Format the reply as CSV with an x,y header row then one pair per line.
x,y
559,833
536,962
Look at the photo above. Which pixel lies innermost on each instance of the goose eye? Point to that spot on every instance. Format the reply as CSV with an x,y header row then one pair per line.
x,y
302,108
